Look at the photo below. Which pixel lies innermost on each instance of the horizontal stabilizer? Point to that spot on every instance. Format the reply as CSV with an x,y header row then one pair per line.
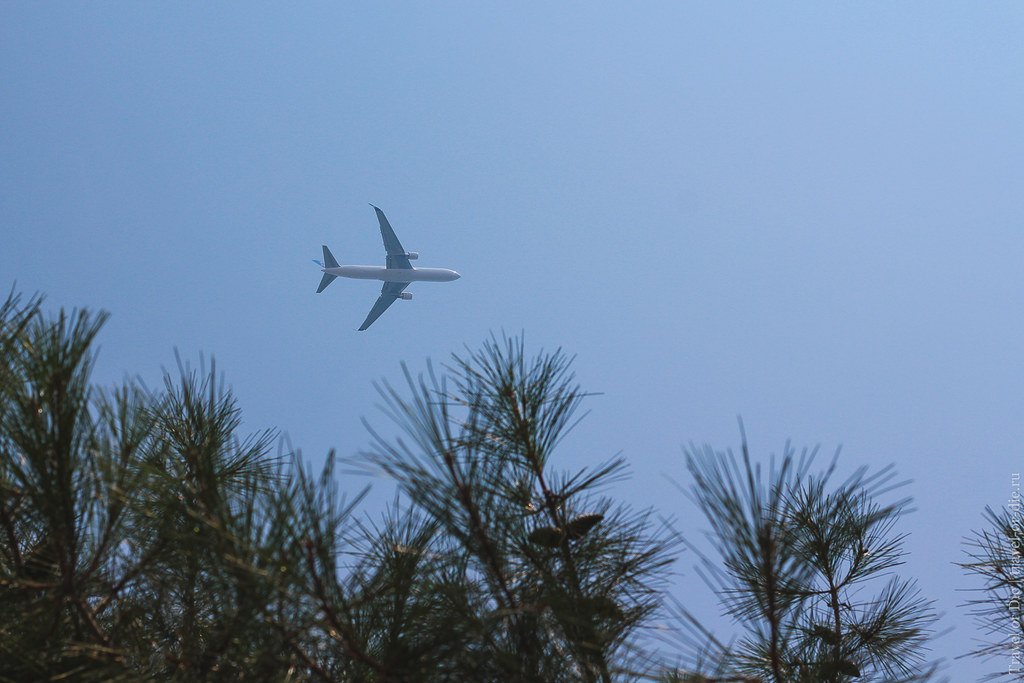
x,y
324,281
329,258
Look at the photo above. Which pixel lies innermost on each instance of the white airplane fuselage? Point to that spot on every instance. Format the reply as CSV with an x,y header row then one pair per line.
x,y
394,274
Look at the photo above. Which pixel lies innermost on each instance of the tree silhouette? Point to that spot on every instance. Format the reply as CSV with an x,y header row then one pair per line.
x,y
803,565
551,579
996,556
142,537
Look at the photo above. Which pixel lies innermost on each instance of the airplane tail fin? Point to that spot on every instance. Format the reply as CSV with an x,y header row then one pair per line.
x,y
329,262
329,259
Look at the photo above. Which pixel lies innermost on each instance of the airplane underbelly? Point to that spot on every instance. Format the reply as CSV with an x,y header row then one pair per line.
x,y
434,275
358,272
394,274
417,275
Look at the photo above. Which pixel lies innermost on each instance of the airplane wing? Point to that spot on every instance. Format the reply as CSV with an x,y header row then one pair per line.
x,y
396,254
388,293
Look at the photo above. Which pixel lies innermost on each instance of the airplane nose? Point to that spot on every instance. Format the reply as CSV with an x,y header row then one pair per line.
x,y
457,276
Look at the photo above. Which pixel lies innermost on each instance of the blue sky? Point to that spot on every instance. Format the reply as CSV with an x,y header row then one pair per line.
x,y
807,214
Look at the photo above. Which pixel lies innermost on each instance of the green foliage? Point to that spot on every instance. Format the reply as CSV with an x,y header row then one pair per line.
x,y
140,537
143,538
996,556
552,579
804,568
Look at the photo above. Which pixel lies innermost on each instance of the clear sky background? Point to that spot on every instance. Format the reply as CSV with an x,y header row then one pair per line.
x,y
807,214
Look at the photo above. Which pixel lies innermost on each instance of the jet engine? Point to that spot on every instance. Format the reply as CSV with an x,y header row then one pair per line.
x,y
405,295
412,255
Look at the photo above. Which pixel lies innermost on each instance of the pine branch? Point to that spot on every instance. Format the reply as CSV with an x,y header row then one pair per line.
x,y
348,638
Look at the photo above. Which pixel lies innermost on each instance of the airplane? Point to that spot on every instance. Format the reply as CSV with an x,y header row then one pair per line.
x,y
397,273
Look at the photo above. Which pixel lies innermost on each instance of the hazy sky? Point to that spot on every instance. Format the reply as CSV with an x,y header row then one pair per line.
x,y
807,214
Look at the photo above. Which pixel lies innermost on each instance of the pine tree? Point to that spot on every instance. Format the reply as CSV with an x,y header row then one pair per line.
x,y
532,574
996,556
804,567
58,509
142,537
